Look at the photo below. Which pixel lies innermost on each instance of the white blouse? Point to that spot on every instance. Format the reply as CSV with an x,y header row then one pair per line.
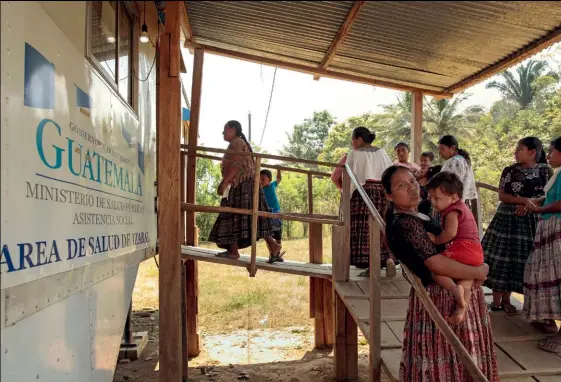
x,y
368,163
459,166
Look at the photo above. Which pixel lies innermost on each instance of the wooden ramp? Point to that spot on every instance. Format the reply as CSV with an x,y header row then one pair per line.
x,y
516,341
288,266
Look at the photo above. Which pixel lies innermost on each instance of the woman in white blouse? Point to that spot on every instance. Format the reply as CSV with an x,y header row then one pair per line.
x,y
367,163
459,163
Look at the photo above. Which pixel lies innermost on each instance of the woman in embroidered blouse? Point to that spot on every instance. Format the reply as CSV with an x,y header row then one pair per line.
x,y
459,163
542,276
367,163
509,240
426,354
233,231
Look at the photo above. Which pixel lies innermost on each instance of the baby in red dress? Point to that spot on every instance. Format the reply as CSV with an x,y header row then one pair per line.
x,y
460,235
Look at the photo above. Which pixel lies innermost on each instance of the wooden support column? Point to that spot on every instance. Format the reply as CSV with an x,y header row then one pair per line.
x,y
255,219
375,302
416,126
346,342
169,214
191,267
312,256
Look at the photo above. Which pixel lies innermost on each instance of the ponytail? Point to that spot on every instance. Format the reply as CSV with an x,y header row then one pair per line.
x,y
533,143
450,140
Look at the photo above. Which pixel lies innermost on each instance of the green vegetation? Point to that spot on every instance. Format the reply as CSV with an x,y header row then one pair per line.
x,y
531,106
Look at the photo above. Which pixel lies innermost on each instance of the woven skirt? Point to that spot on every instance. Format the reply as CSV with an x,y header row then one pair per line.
x,y
428,357
508,242
542,276
235,228
360,234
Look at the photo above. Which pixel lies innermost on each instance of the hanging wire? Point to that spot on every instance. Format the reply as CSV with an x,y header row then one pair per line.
x,y
269,107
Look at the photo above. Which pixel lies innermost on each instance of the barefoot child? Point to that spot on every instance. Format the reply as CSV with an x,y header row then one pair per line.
x,y
270,190
460,235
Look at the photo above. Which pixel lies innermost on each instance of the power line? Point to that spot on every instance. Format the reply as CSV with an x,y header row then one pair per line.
x,y
269,107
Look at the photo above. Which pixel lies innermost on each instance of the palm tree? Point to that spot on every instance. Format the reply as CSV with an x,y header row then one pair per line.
x,y
519,86
442,117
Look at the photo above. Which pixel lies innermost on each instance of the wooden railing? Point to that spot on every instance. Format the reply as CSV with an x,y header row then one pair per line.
x,y
311,218
378,225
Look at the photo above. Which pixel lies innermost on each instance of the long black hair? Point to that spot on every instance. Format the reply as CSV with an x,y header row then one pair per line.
x,y
362,132
238,127
533,143
556,143
450,140
387,183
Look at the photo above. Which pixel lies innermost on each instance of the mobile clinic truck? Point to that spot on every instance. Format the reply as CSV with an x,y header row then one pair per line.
x,y
77,184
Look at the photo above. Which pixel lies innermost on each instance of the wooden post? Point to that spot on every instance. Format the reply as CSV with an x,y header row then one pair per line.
x,y
346,342
344,266
375,302
255,219
169,215
416,126
311,245
191,266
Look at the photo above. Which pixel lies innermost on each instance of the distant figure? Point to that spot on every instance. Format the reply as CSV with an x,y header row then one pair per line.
x,y
367,163
460,234
423,176
426,163
509,239
270,190
542,276
233,231
402,151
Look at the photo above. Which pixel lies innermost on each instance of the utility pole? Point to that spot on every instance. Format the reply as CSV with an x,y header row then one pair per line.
x,y
249,124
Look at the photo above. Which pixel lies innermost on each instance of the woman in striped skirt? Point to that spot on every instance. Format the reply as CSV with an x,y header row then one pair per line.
x,y
367,163
542,276
509,240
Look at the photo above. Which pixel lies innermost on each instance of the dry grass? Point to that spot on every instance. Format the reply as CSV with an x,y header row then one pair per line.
x,y
229,299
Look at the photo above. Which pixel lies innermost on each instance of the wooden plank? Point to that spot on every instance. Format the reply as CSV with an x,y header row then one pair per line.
x,y
544,375
397,329
507,365
284,216
416,126
375,302
529,356
394,308
340,36
319,333
346,203
337,253
328,317
487,186
260,155
402,285
510,60
391,358
363,79
255,218
169,224
349,289
271,166
346,346
288,267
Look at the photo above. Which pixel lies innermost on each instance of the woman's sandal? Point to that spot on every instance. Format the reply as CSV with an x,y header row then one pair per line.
x,y
227,255
509,309
545,328
365,273
549,346
494,308
276,258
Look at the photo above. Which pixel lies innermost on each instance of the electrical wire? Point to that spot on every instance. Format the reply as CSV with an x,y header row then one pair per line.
x,y
269,107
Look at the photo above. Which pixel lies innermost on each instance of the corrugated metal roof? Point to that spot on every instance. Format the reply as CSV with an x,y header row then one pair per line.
x,y
425,44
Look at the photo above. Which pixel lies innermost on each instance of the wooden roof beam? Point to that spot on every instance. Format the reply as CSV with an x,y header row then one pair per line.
x,y
314,70
510,60
341,35
186,25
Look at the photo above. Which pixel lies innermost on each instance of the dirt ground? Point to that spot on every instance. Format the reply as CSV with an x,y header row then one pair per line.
x,y
285,355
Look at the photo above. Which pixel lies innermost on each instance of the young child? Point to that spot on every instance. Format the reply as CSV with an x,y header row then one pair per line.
x,y
270,190
460,235
426,163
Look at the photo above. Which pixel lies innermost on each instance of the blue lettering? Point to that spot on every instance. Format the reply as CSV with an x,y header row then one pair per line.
x,y
98,179
108,169
72,248
41,252
88,165
71,157
54,252
23,256
82,252
39,143
6,258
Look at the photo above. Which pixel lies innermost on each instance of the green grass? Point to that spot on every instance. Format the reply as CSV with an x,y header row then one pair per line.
x,y
229,299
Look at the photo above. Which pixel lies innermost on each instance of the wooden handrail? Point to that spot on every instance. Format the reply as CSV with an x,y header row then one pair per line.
x,y
260,155
487,186
271,166
431,309
317,219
